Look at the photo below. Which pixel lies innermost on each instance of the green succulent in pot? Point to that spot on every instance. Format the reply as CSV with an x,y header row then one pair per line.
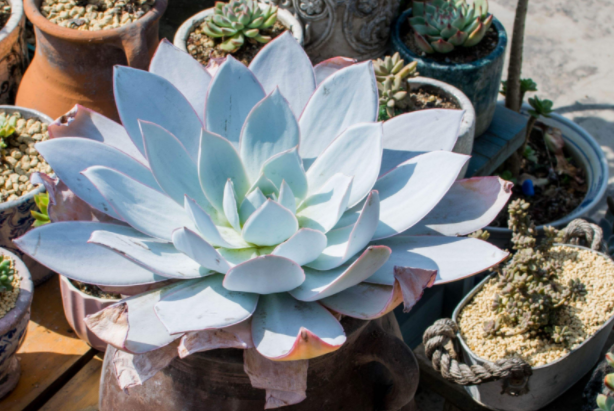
x,y
238,20
7,274
440,26
392,73
265,202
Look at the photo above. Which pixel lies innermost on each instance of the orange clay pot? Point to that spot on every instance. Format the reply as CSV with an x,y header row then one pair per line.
x,y
72,66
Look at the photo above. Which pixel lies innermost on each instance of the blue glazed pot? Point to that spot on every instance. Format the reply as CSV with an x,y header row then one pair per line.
x,y
479,80
15,217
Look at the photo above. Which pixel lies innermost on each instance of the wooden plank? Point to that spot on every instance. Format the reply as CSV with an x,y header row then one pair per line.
x,y
81,392
504,136
51,353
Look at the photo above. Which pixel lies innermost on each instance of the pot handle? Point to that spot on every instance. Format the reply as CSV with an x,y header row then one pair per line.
x,y
134,44
439,347
398,359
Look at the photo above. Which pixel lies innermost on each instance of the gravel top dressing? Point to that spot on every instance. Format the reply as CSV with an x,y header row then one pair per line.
x,y
584,317
93,15
20,158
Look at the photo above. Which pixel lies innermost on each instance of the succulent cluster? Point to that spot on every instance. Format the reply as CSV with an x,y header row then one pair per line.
x,y
529,292
7,127
442,25
605,401
391,73
7,275
239,19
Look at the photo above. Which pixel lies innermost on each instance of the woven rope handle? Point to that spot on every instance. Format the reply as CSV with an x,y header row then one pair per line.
x,y
580,229
438,343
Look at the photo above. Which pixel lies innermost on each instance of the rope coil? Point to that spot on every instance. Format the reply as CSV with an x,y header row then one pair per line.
x,y
438,343
580,229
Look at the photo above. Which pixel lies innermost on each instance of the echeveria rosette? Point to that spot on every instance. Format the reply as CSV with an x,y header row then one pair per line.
x,y
442,25
269,195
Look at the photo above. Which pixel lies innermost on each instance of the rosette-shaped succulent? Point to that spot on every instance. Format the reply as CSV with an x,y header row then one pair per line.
x,y
239,19
442,25
265,202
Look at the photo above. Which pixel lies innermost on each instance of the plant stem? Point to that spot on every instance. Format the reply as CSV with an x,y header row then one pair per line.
x,y
530,125
513,99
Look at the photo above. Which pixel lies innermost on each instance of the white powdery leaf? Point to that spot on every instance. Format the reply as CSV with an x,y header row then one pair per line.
x,y
134,369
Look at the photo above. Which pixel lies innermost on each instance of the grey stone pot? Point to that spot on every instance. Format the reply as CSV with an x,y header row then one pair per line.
x,y
548,381
479,80
15,217
13,328
357,29
588,153
464,144
13,53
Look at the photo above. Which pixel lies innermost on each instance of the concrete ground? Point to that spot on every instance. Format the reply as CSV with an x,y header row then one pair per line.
x,y
568,52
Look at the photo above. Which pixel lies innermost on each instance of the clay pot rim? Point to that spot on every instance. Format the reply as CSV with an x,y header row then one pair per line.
x,y
27,113
13,21
22,305
33,13
85,296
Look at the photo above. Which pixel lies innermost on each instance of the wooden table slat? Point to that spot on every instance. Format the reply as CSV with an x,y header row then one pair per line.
x,y
50,355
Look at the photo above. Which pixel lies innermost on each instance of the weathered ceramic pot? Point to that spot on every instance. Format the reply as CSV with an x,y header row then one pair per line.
x,y
548,381
358,29
77,306
466,133
373,370
588,153
76,67
183,33
13,53
479,80
15,217
13,328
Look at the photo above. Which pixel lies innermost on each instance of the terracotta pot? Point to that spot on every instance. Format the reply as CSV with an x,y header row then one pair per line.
x,y
13,328
13,53
15,216
78,305
72,66
373,370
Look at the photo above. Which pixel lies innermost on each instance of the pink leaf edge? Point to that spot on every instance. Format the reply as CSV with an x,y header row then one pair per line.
x,y
413,282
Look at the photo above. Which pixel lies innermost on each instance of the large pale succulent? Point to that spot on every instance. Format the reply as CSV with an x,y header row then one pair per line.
x,y
268,195
442,25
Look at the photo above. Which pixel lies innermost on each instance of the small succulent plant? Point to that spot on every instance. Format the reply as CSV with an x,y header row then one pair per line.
x,y
41,217
7,127
526,85
529,291
391,73
235,21
605,401
7,274
442,25
247,214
